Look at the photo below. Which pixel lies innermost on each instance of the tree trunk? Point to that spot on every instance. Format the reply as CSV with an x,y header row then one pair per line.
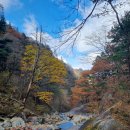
x,y
28,91
34,67
32,77
117,15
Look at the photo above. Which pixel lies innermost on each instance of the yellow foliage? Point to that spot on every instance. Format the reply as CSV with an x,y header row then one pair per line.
x,y
28,59
48,66
45,96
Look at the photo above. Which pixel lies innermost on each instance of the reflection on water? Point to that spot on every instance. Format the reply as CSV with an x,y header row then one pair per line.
x,y
66,125
77,120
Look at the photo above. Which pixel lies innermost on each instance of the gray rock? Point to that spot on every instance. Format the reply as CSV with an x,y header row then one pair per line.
x,y
2,119
41,120
108,124
34,120
6,124
17,121
96,122
74,128
1,128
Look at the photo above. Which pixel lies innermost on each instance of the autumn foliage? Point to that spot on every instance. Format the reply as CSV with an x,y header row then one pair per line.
x,y
48,67
83,90
45,96
101,65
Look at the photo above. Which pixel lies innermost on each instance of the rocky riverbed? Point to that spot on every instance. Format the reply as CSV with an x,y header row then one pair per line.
x,y
57,121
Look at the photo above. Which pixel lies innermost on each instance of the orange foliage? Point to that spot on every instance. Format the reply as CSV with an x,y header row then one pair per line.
x,y
79,91
83,89
101,65
81,81
78,94
14,33
86,73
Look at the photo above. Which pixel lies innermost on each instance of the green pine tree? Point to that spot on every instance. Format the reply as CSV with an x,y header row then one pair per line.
x,y
2,25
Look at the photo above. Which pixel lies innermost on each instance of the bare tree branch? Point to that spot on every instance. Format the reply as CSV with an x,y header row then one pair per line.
x,y
72,34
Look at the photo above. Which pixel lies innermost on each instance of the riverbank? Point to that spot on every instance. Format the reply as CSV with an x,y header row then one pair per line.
x,y
55,121
51,122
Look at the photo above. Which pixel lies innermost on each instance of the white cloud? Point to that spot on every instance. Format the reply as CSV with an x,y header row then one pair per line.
x,y
11,3
82,66
60,57
91,57
30,25
94,26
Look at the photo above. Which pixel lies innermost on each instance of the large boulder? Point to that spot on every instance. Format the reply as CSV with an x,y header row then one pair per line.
x,y
104,121
6,123
109,124
17,122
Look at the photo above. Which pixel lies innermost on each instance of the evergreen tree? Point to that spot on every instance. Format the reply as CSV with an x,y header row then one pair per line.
x,y
121,41
4,53
2,22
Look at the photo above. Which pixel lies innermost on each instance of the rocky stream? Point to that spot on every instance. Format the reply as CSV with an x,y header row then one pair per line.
x,y
71,120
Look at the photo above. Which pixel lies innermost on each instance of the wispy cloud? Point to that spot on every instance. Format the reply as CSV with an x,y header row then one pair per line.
x,y
62,58
95,25
30,24
29,27
11,3
92,26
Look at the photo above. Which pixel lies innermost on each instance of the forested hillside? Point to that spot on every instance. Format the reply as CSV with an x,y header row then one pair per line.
x,y
30,75
106,86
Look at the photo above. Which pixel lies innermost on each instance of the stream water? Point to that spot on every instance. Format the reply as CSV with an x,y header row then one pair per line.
x,y
66,125
77,120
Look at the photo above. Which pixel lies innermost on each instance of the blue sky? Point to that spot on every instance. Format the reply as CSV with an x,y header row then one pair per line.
x,y
46,13
27,13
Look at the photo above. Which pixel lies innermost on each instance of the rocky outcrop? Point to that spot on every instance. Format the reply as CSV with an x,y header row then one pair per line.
x,y
108,123
106,120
